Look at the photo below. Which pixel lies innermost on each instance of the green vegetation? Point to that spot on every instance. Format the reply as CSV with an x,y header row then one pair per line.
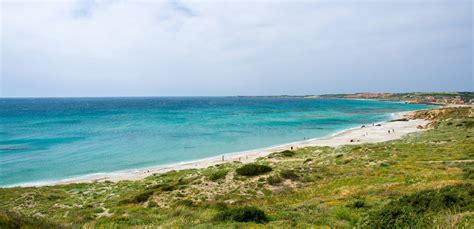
x,y
139,198
423,180
420,209
287,153
446,114
219,174
244,214
289,174
274,180
12,220
253,169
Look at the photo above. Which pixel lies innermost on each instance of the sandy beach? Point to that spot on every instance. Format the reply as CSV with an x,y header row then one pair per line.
x,y
370,133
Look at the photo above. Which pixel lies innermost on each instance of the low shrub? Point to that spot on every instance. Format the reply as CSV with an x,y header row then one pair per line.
x,y
168,187
185,202
287,153
243,214
289,174
139,198
468,173
220,206
274,180
418,209
468,123
98,210
10,219
219,174
357,203
309,178
345,214
118,218
142,197
152,204
253,169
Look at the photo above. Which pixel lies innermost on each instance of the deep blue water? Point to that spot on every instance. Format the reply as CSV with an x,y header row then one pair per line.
x,y
58,138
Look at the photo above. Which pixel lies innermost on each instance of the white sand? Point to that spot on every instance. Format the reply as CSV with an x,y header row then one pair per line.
x,y
368,134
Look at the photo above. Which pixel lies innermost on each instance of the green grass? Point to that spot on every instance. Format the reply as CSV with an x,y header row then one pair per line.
x,y
424,179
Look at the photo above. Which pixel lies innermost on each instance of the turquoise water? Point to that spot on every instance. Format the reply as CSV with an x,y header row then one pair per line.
x,y
52,139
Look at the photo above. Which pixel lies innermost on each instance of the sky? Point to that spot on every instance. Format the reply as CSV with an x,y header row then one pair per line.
x,y
214,48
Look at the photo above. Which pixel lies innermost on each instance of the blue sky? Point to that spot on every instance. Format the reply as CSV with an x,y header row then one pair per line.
x,y
186,48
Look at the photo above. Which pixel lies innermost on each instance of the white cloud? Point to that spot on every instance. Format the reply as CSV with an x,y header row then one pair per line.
x,y
98,48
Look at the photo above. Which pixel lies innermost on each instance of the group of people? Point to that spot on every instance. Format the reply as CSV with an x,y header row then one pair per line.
x,y
391,131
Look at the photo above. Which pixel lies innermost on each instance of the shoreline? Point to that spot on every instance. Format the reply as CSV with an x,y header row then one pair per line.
x,y
371,133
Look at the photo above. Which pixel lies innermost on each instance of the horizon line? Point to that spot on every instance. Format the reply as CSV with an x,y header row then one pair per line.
x,y
176,96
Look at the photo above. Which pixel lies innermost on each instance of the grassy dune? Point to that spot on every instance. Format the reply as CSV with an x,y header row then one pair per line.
x,y
421,180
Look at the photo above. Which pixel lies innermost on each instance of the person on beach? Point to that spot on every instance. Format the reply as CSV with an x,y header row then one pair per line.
x,y
388,131
291,148
222,157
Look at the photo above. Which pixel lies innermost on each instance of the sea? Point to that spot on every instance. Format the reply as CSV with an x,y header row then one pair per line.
x,y
43,140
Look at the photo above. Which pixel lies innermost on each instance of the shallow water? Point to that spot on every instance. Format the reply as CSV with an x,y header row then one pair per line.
x,y
58,138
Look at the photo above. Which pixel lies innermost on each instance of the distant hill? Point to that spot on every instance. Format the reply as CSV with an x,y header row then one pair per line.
x,y
441,98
